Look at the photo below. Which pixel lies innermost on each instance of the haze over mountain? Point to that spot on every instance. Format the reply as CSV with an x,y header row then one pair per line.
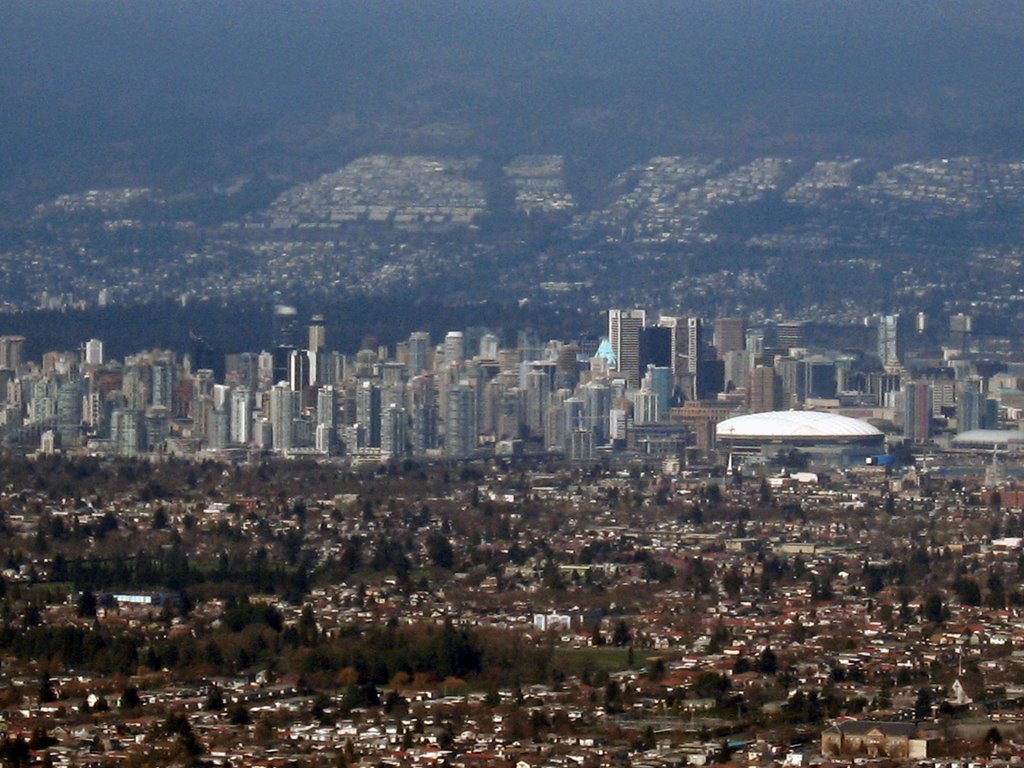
x,y
166,94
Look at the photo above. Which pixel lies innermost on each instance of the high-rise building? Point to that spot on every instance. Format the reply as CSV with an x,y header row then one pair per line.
x,y
221,396
943,395
597,403
202,402
241,416
285,327
332,368
677,341
284,408
157,424
48,442
69,411
11,350
736,373
819,377
730,335
574,410
888,340
127,431
92,352
765,390
327,406
509,360
324,438
659,380
694,346
205,355
970,404
393,441
655,347
299,370
554,423
317,334
285,339
393,375
368,411
790,335
688,354
581,445
645,406
460,429
454,348
538,387
567,367
424,415
489,347
509,413
528,344
916,399
419,352
624,331
884,385
755,340
162,387
220,427
960,328
242,369
793,372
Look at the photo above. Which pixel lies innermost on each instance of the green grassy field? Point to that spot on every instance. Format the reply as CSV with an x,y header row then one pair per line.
x,y
594,659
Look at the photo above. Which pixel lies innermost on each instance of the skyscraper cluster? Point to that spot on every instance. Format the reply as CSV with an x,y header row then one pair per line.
x,y
651,384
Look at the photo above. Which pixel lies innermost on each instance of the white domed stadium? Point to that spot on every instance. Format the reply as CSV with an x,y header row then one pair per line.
x,y
824,437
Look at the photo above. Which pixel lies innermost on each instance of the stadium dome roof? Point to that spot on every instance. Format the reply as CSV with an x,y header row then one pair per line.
x,y
989,437
806,425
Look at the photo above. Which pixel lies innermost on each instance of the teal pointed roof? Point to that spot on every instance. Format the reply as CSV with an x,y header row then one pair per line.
x,y
605,351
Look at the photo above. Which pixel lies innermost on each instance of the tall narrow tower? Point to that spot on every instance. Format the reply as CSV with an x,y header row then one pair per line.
x,y
317,334
888,340
624,329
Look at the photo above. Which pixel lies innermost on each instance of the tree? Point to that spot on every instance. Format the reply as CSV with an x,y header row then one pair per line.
x,y
178,727
645,741
711,685
308,629
732,582
767,663
967,590
719,637
160,519
15,752
40,739
656,670
46,692
621,635
923,704
492,698
724,753
440,551
996,597
130,698
934,610
214,700
87,605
